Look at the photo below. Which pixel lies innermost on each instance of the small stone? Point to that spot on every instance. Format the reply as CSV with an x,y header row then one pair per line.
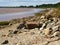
x,y
36,29
47,31
55,28
50,25
15,32
55,19
5,42
43,26
3,35
59,28
42,17
32,33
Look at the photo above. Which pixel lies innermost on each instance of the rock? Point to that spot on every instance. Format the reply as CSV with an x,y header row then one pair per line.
x,y
21,26
10,24
58,23
5,42
10,31
57,33
43,26
49,17
15,32
55,19
50,25
3,35
55,28
32,33
32,25
42,17
36,29
59,28
47,31
24,30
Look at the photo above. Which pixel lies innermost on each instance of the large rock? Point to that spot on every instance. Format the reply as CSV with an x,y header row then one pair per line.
x,y
31,25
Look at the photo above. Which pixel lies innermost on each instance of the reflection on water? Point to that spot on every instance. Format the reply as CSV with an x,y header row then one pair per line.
x,y
5,17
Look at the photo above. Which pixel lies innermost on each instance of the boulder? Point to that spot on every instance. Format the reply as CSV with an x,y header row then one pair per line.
x,y
32,25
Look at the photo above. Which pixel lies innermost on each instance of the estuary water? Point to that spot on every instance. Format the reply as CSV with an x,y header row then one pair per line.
x,y
10,16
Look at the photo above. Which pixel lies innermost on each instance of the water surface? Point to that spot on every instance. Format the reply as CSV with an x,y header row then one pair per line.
x,y
10,16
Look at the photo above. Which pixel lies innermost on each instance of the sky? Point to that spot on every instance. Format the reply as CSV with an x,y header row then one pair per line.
x,y
26,2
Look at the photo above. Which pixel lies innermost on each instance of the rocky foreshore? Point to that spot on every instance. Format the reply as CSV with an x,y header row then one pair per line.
x,y
35,30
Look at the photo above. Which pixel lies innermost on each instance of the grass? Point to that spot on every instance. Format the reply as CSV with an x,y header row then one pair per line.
x,y
41,13
57,12
4,23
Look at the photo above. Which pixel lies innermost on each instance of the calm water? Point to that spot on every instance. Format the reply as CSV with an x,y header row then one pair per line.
x,y
10,16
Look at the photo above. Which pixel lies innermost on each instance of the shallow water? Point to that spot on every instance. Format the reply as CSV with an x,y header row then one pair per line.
x,y
10,16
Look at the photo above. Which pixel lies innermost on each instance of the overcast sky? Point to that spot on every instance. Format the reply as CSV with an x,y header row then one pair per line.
x,y
25,2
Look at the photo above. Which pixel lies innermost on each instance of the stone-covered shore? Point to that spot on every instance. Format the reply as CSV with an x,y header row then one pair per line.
x,y
34,30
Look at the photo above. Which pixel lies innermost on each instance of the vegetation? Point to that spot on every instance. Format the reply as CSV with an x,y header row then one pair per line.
x,y
49,5
4,23
41,13
57,5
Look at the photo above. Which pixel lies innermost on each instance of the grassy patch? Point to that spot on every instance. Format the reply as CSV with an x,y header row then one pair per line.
x,y
4,23
38,14
41,13
57,12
